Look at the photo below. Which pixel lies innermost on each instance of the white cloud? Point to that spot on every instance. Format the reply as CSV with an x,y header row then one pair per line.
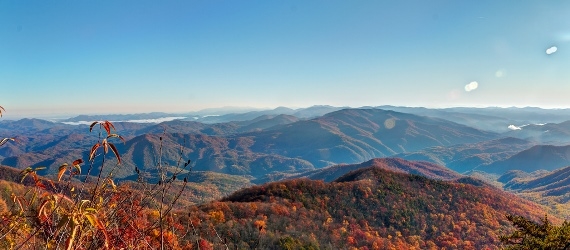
x,y
471,86
513,127
157,120
78,123
551,50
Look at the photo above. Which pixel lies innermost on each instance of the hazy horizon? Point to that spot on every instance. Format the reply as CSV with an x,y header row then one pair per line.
x,y
229,110
108,57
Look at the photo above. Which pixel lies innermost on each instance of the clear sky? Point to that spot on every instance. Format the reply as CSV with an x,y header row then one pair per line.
x,y
70,57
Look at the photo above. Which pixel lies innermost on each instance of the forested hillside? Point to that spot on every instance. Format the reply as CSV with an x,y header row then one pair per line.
x,y
369,208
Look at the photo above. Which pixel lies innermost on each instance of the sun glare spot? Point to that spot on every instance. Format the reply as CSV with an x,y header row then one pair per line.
x,y
551,50
500,73
471,86
390,123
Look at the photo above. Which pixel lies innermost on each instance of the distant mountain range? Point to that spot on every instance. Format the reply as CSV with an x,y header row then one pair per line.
x,y
286,142
264,145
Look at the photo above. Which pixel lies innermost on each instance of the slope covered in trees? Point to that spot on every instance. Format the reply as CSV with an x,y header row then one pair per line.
x,y
370,208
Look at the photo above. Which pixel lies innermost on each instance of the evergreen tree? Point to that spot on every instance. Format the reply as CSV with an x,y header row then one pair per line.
x,y
532,235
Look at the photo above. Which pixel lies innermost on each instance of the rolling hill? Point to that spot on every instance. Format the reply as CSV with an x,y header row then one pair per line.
x,y
467,157
331,173
547,157
366,208
357,135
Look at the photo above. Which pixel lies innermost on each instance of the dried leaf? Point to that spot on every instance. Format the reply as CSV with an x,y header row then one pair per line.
x,y
93,151
3,141
95,222
77,169
117,136
17,200
92,219
61,171
105,145
25,173
112,183
39,168
42,214
91,210
1,109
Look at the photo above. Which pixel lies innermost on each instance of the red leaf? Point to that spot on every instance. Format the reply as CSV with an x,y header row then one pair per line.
x,y
77,162
51,183
92,125
108,125
116,152
35,176
40,185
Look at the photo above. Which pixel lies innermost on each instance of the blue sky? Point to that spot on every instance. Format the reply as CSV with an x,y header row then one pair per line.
x,y
71,57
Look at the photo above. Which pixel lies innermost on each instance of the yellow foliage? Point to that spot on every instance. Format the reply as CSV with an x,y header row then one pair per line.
x,y
154,214
217,216
259,223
